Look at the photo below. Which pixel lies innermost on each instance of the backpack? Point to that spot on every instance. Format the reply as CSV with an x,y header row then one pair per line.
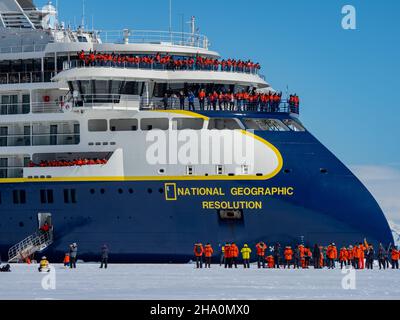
x,y
198,249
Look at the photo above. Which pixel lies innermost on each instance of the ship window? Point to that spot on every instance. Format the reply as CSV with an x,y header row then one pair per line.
x,y
223,124
69,196
245,169
19,196
123,124
46,196
97,125
220,170
265,124
294,125
189,170
154,124
187,124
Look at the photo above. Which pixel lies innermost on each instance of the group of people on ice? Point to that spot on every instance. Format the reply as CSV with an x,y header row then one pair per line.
x,y
70,258
359,256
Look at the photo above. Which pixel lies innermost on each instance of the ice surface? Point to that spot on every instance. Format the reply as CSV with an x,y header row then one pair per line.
x,y
172,282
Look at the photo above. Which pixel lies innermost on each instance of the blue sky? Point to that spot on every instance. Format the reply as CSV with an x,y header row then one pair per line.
x,y
347,79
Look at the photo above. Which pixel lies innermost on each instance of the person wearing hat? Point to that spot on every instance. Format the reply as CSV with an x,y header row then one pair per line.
x,y
246,251
288,253
73,252
44,265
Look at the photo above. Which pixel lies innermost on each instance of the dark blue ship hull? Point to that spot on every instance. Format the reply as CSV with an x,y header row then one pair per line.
x,y
329,204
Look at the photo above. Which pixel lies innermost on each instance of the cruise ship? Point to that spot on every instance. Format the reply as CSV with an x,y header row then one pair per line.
x,y
97,144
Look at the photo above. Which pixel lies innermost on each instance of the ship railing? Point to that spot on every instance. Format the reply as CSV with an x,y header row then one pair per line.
x,y
23,48
157,66
26,77
121,102
155,37
39,139
36,242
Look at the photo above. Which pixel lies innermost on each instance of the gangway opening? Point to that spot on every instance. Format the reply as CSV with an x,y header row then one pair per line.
x,y
37,242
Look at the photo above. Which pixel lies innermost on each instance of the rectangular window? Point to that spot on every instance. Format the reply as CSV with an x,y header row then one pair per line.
x,y
70,196
189,170
220,170
223,124
46,196
154,124
187,124
97,125
265,124
124,124
19,196
294,125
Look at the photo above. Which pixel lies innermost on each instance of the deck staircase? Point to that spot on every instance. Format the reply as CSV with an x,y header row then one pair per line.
x,y
36,242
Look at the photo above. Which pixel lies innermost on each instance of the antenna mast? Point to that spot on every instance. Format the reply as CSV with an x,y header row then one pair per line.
x,y
170,19
83,14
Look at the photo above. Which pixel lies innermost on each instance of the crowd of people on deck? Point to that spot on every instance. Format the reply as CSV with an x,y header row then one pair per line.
x,y
67,163
229,101
358,256
167,61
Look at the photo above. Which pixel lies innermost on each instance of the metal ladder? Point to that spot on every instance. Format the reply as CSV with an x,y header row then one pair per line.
x,y
36,242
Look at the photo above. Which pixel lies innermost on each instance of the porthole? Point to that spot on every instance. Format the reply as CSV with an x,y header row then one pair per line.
x,y
323,170
161,171
288,171
161,190
21,224
120,191
92,191
150,191
130,191
102,191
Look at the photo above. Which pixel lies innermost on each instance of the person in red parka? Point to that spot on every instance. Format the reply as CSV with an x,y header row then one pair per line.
x,y
208,252
198,252
234,253
261,248
288,254
228,255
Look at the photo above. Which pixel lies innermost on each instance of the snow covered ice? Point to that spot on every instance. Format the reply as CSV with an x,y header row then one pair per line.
x,y
170,282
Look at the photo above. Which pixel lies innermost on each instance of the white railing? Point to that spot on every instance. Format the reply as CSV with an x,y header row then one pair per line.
x,y
23,48
155,37
34,243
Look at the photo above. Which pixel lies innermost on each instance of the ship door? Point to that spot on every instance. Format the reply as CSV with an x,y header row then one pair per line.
x,y
43,218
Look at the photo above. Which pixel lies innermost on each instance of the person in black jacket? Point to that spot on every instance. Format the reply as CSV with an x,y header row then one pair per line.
x,y
382,257
316,257
104,257
370,256
277,255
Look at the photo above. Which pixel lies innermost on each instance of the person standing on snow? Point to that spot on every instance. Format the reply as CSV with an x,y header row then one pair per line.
x,y
246,251
198,252
104,256
73,253
277,255
317,257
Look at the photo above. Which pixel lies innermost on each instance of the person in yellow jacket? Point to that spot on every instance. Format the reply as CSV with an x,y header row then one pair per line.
x,y
246,251
44,265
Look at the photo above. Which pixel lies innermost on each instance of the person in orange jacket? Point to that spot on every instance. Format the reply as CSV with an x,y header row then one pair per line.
x,y
307,257
395,253
235,254
66,260
343,257
362,247
288,254
198,252
331,255
357,256
228,255
270,262
350,256
261,248
302,255
208,252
